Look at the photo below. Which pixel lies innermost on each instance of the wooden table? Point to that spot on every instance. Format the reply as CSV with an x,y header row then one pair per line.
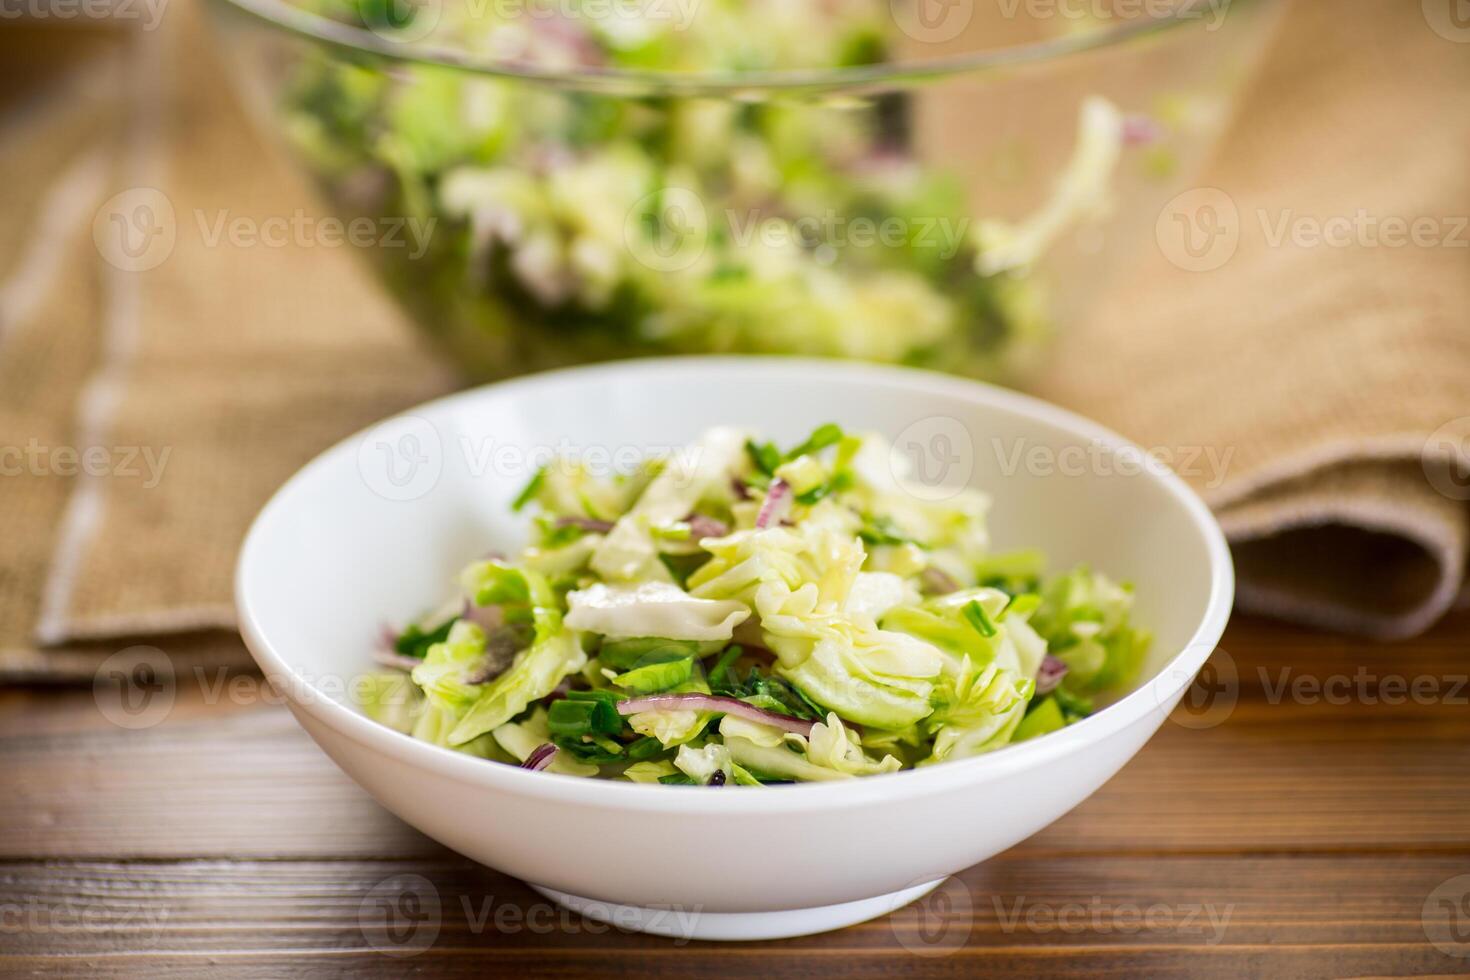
x,y
1297,822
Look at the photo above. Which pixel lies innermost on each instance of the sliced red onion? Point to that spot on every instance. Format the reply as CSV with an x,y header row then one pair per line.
x,y
777,503
483,674
714,702
366,187
387,637
501,646
1141,130
701,526
502,642
488,618
937,581
548,156
396,660
885,161
589,524
1049,674
574,38
540,757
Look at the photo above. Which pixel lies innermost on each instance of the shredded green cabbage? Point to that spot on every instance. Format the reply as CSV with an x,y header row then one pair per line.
x,y
863,628
549,225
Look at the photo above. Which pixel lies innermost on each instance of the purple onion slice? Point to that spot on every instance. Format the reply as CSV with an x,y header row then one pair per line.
x,y
1049,674
589,524
776,504
501,647
397,661
701,527
936,581
488,618
714,702
1141,130
540,756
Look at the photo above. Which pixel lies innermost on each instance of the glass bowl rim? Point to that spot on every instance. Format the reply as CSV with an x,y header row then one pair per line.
x,y
314,27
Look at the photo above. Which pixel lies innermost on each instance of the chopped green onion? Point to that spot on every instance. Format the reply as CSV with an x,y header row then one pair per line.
x,y
592,749
590,506
821,437
1013,571
722,667
1021,604
673,531
529,491
584,713
744,777
882,530
570,717
644,748
1044,716
814,494
609,745
975,613
680,567
1073,705
415,642
553,534
764,455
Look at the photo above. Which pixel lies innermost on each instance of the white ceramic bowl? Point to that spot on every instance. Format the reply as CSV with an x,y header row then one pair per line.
x,y
374,529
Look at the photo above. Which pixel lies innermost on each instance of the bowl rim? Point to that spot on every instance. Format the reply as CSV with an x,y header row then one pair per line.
x,y
1171,681
316,27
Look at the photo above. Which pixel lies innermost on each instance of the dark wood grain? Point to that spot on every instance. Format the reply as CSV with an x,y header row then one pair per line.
x,y
1012,902
1300,834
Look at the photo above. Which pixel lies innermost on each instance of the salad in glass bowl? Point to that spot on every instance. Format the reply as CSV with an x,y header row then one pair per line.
x,y
819,177
742,614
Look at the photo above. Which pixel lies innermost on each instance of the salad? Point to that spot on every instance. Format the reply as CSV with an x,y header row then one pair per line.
x,y
563,225
746,614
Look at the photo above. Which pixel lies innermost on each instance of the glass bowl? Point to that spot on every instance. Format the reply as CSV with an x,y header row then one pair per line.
x,y
939,183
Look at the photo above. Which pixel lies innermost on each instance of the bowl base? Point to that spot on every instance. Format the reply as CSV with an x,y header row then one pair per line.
x,y
686,924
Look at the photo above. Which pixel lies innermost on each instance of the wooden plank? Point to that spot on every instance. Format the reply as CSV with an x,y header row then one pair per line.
x,y
1300,836
1010,906
250,785
773,960
1261,781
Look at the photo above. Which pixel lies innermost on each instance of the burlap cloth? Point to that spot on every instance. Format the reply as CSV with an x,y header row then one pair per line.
x,y
1328,356
1313,377
208,379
